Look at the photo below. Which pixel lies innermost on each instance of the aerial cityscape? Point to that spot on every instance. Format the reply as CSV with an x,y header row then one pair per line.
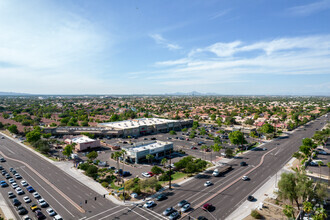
x,y
155,110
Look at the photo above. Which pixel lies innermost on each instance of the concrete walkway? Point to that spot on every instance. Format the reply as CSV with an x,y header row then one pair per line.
x,y
265,191
6,209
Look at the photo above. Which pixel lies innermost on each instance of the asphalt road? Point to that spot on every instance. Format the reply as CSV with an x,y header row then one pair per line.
x,y
237,190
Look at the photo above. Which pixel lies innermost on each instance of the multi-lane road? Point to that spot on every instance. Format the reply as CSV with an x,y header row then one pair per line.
x,y
67,195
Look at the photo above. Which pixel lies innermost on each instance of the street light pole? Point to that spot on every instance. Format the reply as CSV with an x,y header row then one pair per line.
x,y
170,185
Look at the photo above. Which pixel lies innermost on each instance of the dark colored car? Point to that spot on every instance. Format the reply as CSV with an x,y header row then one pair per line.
x,y
39,214
201,218
2,159
120,171
3,183
153,138
193,148
250,198
161,197
1,168
16,202
168,211
182,203
21,210
243,163
3,172
207,206
126,173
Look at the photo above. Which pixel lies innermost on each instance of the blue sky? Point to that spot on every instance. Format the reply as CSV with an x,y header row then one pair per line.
x,y
273,47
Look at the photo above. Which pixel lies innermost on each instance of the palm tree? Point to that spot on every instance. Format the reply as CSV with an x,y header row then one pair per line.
x,y
204,147
150,157
320,163
328,164
164,161
298,155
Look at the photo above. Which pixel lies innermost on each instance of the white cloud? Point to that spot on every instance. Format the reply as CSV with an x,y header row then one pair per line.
x,y
288,56
304,10
220,13
46,43
162,41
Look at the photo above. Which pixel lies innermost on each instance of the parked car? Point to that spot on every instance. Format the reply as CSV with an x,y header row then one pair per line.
x,y
182,203
24,183
2,159
168,211
11,195
19,191
16,202
3,183
186,207
21,210
193,148
50,212
161,197
26,199
126,173
174,215
26,217
17,176
36,195
33,207
145,174
207,206
30,189
57,217
11,180
250,198
149,204
7,176
39,214
14,185
43,203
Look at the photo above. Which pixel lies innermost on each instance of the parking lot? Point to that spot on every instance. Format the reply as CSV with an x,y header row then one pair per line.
x,y
22,197
181,142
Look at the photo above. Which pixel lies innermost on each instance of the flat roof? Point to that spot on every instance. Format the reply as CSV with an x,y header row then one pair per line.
x,y
135,123
148,146
82,139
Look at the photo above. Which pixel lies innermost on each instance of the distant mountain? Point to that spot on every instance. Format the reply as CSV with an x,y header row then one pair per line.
x,y
13,94
193,93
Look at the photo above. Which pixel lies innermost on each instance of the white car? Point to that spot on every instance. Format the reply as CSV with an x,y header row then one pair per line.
x,y
185,208
50,212
24,183
14,185
26,217
245,178
19,191
322,152
149,204
208,183
26,199
145,174
36,195
11,180
57,217
17,176
42,203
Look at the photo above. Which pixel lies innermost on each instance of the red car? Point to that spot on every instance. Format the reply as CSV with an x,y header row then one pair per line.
x,y
207,206
151,174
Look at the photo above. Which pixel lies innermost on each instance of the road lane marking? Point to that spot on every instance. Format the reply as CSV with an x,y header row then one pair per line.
x,y
138,213
48,182
111,214
101,212
47,191
149,210
229,185
10,150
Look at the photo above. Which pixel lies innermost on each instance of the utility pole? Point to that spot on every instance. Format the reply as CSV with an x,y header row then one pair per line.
x,y
170,185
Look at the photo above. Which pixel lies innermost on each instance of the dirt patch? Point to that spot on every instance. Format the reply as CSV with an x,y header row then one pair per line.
x,y
270,211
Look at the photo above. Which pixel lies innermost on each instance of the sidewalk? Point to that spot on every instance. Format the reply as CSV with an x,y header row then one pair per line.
x,y
265,191
8,214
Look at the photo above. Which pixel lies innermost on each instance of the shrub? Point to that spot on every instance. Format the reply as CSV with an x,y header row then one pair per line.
x,y
158,187
255,214
105,184
127,196
137,190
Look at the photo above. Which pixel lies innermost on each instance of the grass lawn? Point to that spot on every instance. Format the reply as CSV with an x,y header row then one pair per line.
x,y
175,176
113,186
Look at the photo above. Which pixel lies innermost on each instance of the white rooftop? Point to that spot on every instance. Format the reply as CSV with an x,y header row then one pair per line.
x,y
82,139
135,123
149,146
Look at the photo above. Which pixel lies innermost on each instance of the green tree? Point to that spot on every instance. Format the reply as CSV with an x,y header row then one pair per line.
x,y
92,155
229,152
320,214
13,129
237,137
156,170
67,151
150,157
172,132
164,161
298,156
267,128
249,121
1,125
92,171
33,136
288,211
328,165
184,129
288,188
308,207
